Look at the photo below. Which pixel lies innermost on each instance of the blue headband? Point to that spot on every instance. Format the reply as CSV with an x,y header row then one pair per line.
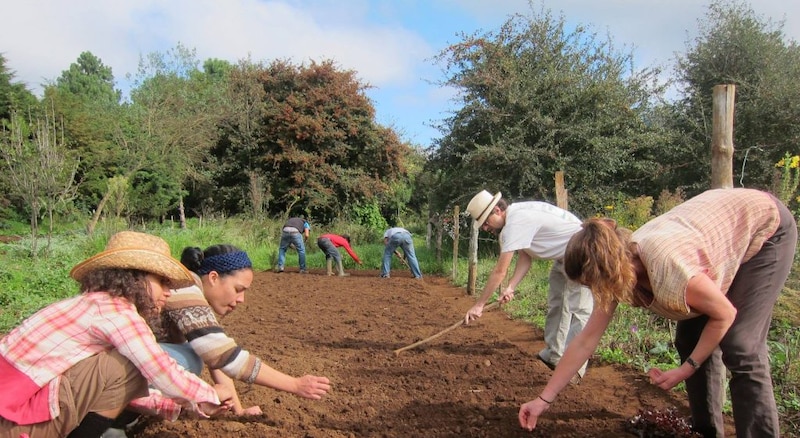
x,y
224,263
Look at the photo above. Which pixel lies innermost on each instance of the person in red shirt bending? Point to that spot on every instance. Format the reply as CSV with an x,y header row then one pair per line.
x,y
329,243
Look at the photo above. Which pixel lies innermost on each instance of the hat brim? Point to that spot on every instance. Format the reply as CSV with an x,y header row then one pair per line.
x,y
485,214
138,259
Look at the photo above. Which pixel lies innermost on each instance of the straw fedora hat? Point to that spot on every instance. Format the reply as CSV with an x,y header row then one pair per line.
x,y
140,251
481,205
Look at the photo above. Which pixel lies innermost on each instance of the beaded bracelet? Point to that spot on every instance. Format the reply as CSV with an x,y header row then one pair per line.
x,y
256,368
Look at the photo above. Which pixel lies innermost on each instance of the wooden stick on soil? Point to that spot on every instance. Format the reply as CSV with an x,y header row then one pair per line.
x,y
448,329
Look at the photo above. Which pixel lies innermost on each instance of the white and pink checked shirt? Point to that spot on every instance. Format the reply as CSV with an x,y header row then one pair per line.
x,y
34,355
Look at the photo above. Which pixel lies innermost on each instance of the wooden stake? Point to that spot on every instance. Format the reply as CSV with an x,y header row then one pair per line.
x,y
448,329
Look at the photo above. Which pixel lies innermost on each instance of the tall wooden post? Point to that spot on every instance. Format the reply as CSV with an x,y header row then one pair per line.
x,y
472,273
456,228
562,200
722,137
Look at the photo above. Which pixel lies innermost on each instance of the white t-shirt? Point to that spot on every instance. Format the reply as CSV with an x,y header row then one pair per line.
x,y
540,229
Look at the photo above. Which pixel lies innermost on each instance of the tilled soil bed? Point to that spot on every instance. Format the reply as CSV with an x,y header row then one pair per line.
x,y
468,383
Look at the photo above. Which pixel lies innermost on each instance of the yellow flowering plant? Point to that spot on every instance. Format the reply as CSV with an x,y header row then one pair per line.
x,y
789,179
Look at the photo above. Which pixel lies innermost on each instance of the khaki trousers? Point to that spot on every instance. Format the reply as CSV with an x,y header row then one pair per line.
x,y
99,383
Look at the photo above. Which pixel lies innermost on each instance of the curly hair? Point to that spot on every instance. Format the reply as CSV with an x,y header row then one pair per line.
x,y
599,257
126,283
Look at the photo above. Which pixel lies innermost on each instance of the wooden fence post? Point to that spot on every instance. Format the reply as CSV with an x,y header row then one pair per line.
x,y
722,137
562,200
472,273
456,227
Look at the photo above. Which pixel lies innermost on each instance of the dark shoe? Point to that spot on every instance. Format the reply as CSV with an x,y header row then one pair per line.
x,y
303,271
549,365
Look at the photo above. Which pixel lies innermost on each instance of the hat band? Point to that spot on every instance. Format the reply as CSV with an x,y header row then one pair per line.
x,y
223,263
488,208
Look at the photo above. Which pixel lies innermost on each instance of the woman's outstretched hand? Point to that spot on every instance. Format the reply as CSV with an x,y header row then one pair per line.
x,y
529,413
312,387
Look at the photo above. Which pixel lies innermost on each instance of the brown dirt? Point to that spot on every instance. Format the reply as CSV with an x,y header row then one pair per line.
x,y
468,383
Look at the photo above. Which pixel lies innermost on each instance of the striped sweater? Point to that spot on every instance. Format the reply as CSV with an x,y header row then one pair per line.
x,y
187,316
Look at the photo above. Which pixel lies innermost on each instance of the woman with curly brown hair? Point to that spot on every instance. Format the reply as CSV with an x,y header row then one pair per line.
x,y
716,264
71,368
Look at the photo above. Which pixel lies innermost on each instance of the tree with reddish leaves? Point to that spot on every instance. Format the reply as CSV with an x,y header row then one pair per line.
x,y
312,143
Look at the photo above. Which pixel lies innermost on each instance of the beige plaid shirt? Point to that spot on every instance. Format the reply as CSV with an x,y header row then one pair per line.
x,y
712,233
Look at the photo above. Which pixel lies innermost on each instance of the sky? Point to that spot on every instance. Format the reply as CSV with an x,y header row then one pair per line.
x,y
390,44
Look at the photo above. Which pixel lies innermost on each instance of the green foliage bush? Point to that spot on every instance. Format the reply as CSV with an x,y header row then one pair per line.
x,y
369,215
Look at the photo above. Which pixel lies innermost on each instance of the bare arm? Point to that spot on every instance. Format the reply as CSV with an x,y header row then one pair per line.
x,y
308,386
702,296
221,379
578,352
495,278
520,270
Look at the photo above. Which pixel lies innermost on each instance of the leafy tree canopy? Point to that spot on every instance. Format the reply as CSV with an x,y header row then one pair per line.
x,y
312,137
539,98
736,46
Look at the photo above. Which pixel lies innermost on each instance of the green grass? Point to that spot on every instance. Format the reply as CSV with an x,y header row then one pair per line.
x,y
635,337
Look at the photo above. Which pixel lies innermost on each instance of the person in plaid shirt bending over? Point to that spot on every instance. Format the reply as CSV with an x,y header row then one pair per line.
x,y
71,368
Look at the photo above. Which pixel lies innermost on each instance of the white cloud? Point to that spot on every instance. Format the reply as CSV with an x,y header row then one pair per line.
x,y
387,42
119,32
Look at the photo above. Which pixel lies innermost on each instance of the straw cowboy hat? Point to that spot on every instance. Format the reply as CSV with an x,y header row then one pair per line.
x,y
481,205
140,251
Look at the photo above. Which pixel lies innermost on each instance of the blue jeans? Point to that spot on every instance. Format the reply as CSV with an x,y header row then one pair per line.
x,y
403,240
185,356
329,249
288,239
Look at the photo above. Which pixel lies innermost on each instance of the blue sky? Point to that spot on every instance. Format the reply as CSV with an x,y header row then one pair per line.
x,y
389,43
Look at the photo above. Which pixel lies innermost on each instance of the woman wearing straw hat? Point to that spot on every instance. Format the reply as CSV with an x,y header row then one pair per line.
x,y
70,369
189,331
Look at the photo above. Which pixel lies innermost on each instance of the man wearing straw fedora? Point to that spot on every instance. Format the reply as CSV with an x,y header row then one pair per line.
x,y
534,230
71,368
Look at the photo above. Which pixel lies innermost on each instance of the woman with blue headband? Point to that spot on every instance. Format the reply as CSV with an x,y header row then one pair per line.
x,y
189,331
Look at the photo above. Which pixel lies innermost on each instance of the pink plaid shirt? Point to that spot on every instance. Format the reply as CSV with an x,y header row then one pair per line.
x,y
35,354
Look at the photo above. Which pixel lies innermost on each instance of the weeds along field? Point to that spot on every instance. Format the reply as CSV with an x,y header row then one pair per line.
x,y
636,340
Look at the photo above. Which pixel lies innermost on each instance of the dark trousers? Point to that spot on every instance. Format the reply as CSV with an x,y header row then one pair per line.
x,y
743,349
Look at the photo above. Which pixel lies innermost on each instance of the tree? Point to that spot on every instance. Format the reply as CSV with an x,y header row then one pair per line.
x,y
14,96
14,99
537,99
90,78
85,100
312,137
736,46
245,100
175,118
40,168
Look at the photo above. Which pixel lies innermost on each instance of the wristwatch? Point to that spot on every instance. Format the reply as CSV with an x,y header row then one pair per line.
x,y
692,363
